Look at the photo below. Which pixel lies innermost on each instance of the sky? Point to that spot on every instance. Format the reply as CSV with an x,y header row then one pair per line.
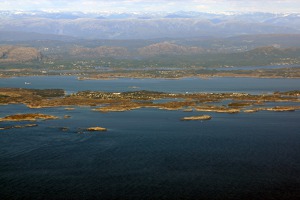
x,y
216,6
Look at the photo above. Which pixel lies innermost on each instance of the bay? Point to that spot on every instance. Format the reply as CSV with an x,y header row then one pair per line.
x,y
151,153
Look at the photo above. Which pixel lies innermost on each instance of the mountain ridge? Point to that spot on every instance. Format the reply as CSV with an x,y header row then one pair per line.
x,y
148,25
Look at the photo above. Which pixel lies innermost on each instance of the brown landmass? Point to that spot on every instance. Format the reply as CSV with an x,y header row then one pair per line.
x,y
201,117
98,128
102,51
125,101
168,48
18,54
191,72
18,126
274,109
27,117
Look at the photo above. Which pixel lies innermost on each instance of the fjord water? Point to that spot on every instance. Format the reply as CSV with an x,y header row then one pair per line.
x,y
71,84
150,153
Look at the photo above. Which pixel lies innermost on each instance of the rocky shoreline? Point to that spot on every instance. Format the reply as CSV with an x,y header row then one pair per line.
x,y
284,72
27,117
132,100
228,103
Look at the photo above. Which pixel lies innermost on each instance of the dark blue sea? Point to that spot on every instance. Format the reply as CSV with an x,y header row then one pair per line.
x,y
151,153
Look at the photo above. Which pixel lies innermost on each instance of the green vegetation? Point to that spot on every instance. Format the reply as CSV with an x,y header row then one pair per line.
x,y
146,58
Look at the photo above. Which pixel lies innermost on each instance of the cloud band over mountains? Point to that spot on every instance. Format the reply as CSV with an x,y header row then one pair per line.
x,y
279,6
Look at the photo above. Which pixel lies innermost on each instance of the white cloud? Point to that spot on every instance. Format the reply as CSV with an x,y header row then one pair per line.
x,y
154,5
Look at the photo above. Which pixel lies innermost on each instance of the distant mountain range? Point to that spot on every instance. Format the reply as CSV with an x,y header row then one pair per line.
x,y
68,25
216,17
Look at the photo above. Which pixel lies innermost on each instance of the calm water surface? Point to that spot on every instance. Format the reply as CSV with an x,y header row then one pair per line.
x,y
150,153
71,84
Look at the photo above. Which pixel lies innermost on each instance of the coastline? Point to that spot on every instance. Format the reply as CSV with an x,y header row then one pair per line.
x,y
162,78
132,100
284,72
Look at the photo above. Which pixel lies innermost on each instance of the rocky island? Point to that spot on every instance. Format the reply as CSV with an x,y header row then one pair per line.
x,y
18,126
98,128
126,101
201,117
27,117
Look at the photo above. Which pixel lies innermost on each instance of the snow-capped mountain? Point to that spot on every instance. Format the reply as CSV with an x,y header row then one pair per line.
x,y
107,25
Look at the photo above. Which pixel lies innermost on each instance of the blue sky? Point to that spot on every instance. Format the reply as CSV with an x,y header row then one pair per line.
x,y
277,6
